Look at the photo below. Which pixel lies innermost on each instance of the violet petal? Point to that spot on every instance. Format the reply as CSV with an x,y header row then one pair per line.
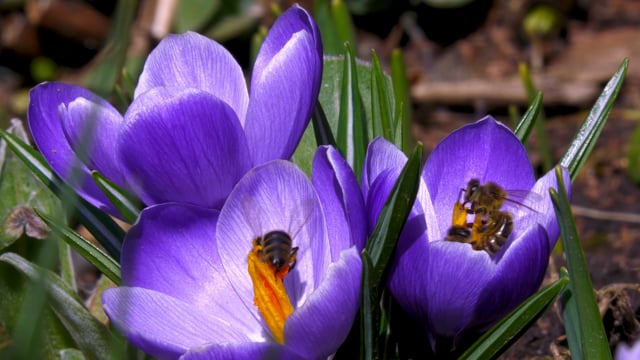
x,y
191,60
341,200
274,196
47,102
184,146
240,351
455,278
322,323
284,86
486,150
164,326
172,249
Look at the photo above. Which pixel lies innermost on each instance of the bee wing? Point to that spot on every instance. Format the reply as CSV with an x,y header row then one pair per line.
x,y
300,219
523,198
251,211
254,214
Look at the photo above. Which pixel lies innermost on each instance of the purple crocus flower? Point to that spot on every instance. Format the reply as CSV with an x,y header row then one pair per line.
x,y
187,291
192,129
450,288
626,352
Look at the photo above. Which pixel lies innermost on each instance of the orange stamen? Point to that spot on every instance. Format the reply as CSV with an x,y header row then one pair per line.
x,y
476,230
270,296
459,217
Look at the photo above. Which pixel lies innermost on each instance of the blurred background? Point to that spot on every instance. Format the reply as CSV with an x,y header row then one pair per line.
x,y
463,58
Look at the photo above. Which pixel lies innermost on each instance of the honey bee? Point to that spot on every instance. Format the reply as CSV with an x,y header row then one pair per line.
x,y
491,225
276,249
494,233
459,233
489,197
274,244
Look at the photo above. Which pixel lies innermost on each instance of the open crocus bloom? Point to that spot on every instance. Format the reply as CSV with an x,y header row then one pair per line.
x,y
452,289
187,291
193,129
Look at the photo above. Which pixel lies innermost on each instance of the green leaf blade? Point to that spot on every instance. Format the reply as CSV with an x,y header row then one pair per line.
x,y
586,137
106,264
524,127
106,231
381,244
352,124
20,192
593,339
496,340
382,119
402,101
91,336
127,205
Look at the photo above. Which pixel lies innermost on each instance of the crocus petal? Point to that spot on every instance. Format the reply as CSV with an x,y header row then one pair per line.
x,y
84,119
284,86
191,60
381,156
517,275
546,216
274,196
172,249
162,325
624,352
486,150
249,351
454,279
48,109
341,199
319,327
382,167
184,146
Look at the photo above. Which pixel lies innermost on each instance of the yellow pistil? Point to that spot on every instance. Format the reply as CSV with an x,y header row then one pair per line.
x,y
270,295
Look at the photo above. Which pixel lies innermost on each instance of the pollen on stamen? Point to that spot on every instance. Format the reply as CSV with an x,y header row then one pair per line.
x,y
270,296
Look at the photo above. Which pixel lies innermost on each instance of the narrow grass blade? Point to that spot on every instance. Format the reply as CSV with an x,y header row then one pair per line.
x,y
106,264
67,270
511,327
368,310
402,100
633,155
541,135
586,137
331,41
352,126
106,72
128,206
106,231
91,336
528,121
342,22
321,127
382,242
382,120
593,339
571,325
